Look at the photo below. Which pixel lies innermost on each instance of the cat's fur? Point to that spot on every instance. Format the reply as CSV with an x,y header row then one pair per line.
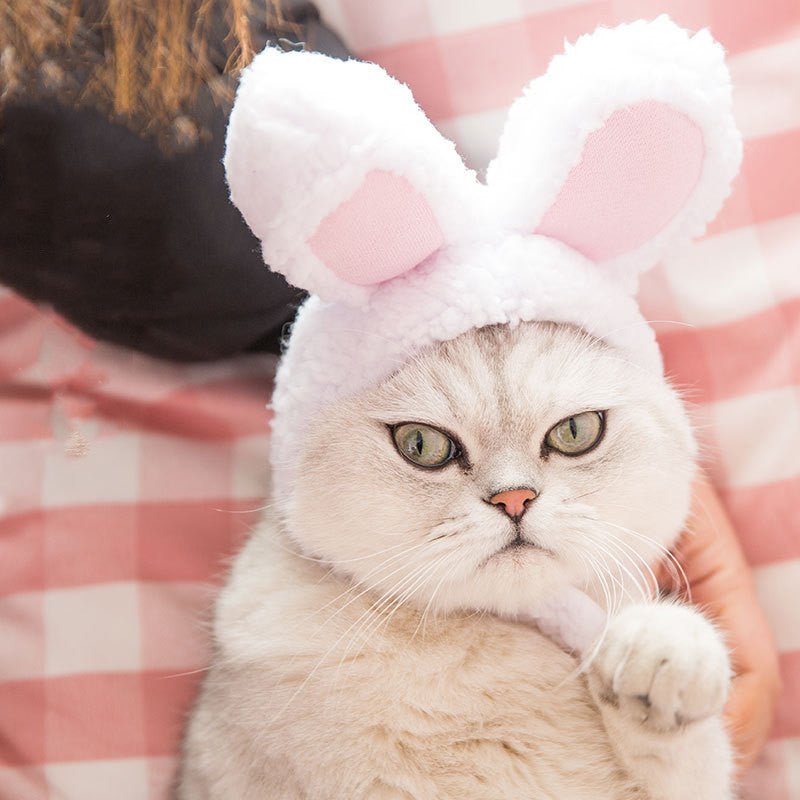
x,y
365,645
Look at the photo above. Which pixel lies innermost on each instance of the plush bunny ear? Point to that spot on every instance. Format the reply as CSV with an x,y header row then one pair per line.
x,y
624,148
340,174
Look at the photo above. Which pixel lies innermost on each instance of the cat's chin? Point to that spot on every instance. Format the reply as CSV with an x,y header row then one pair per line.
x,y
513,582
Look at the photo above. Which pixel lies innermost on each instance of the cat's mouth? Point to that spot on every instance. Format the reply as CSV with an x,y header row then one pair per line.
x,y
519,545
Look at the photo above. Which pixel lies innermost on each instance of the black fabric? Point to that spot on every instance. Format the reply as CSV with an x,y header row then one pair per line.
x,y
133,245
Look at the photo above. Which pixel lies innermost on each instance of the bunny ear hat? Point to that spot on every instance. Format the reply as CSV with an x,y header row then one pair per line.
x,y
623,150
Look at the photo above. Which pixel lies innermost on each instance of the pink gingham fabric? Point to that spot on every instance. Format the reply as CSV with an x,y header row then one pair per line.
x,y
126,483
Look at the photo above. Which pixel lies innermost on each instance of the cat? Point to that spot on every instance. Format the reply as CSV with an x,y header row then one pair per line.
x,y
368,643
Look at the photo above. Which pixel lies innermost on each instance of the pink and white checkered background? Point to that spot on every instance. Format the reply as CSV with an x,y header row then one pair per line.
x,y
126,483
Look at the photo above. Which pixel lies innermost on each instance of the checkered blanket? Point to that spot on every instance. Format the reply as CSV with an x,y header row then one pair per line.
x,y
126,483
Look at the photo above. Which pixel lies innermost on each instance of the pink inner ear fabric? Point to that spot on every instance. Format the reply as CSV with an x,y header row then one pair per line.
x,y
636,173
385,229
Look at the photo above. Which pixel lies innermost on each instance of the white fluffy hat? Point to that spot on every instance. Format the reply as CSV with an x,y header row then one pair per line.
x,y
624,149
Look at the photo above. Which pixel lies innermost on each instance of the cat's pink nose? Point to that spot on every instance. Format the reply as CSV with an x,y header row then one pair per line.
x,y
514,502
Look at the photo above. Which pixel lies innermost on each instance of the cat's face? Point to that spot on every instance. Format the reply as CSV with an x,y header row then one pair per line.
x,y
404,487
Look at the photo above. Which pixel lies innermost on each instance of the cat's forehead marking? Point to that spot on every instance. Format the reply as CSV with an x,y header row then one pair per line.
x,y
503,384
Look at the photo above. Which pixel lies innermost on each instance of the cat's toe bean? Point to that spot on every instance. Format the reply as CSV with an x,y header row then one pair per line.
x,y
663,666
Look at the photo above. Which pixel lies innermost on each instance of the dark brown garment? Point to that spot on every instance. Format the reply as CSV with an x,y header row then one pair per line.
x,y
134,244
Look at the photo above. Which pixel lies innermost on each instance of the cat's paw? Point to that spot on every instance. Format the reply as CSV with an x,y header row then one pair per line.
x,y
662,666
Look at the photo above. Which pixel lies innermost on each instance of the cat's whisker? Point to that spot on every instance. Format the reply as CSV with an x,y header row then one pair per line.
x,y
445,576
356,587
407,594
595,575
662,551
391,601
708,516
641,323
363,580
376,615
256,510
649,583
332,648
450,534
598,572
392,595
428,606
451,527
618,581
631,589
678,322
608,582
585,494
588,657
634,558
437,533
365,587
652,582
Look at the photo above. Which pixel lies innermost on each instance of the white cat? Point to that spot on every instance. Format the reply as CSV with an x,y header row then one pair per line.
x,y
365,646
471,426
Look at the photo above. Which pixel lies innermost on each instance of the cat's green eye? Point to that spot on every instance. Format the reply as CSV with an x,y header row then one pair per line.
x,y
576,435
423,445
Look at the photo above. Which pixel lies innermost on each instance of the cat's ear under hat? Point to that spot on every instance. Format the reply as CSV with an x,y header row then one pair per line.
x,y
340,174
625,148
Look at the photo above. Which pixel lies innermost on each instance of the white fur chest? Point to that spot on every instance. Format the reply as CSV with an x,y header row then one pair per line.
x,y
339,702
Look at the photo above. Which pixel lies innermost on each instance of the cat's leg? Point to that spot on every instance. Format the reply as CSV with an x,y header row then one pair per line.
x,y
660,678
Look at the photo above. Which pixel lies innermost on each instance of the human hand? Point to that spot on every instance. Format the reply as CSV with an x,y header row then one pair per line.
x,y
721,583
